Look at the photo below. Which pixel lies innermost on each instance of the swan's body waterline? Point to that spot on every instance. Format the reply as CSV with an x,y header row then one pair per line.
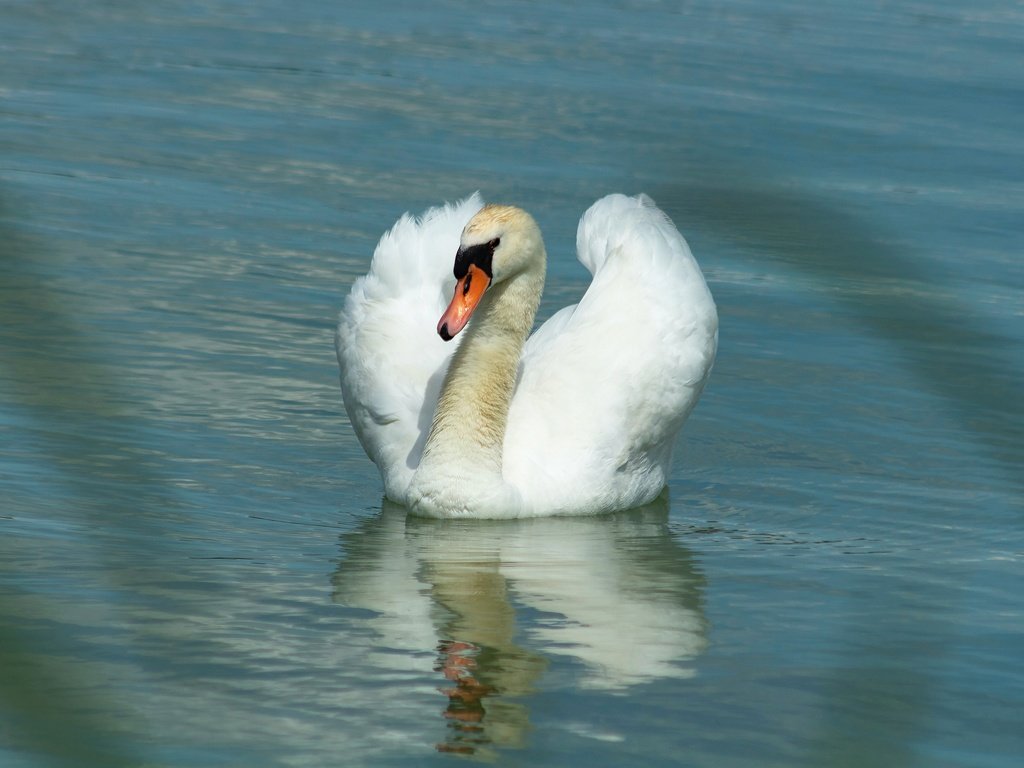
x,y
578,419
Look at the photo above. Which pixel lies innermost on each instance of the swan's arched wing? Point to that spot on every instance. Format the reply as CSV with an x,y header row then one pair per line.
x,y
604,386
392,360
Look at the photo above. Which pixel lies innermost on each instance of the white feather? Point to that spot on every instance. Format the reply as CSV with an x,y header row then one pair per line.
x,y
392,360
603,386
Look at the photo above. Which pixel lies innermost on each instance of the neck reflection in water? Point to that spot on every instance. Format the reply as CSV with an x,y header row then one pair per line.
x,y
617,597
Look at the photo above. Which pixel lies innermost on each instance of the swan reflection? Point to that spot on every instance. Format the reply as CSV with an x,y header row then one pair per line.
x,y
614,601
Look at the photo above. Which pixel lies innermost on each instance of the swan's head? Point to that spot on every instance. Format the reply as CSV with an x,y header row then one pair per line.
x,y
498,243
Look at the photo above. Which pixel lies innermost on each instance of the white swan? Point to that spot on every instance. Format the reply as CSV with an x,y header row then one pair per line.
x,y
578,419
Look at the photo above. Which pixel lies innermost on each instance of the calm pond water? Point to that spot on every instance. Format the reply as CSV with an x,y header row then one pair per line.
x,y
197,568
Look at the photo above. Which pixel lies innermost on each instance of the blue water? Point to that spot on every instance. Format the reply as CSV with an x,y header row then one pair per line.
x,y
196,568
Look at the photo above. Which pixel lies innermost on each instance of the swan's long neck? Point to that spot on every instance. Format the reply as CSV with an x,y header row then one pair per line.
x,y
463,454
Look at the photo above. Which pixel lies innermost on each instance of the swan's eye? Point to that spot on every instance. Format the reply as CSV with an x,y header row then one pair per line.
x,y
494,243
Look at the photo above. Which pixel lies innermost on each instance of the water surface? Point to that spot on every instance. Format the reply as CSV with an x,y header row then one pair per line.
x,y
197,567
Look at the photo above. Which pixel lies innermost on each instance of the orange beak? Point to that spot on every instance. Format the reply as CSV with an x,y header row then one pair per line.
x,y
468,292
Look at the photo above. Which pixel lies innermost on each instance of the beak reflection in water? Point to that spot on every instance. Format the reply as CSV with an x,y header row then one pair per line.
x,y
616,596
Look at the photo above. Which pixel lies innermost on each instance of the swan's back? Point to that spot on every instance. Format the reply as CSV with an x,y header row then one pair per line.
x,y
605,386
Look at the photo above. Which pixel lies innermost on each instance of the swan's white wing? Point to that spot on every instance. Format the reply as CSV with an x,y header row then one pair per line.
x,y
392,360
605,386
